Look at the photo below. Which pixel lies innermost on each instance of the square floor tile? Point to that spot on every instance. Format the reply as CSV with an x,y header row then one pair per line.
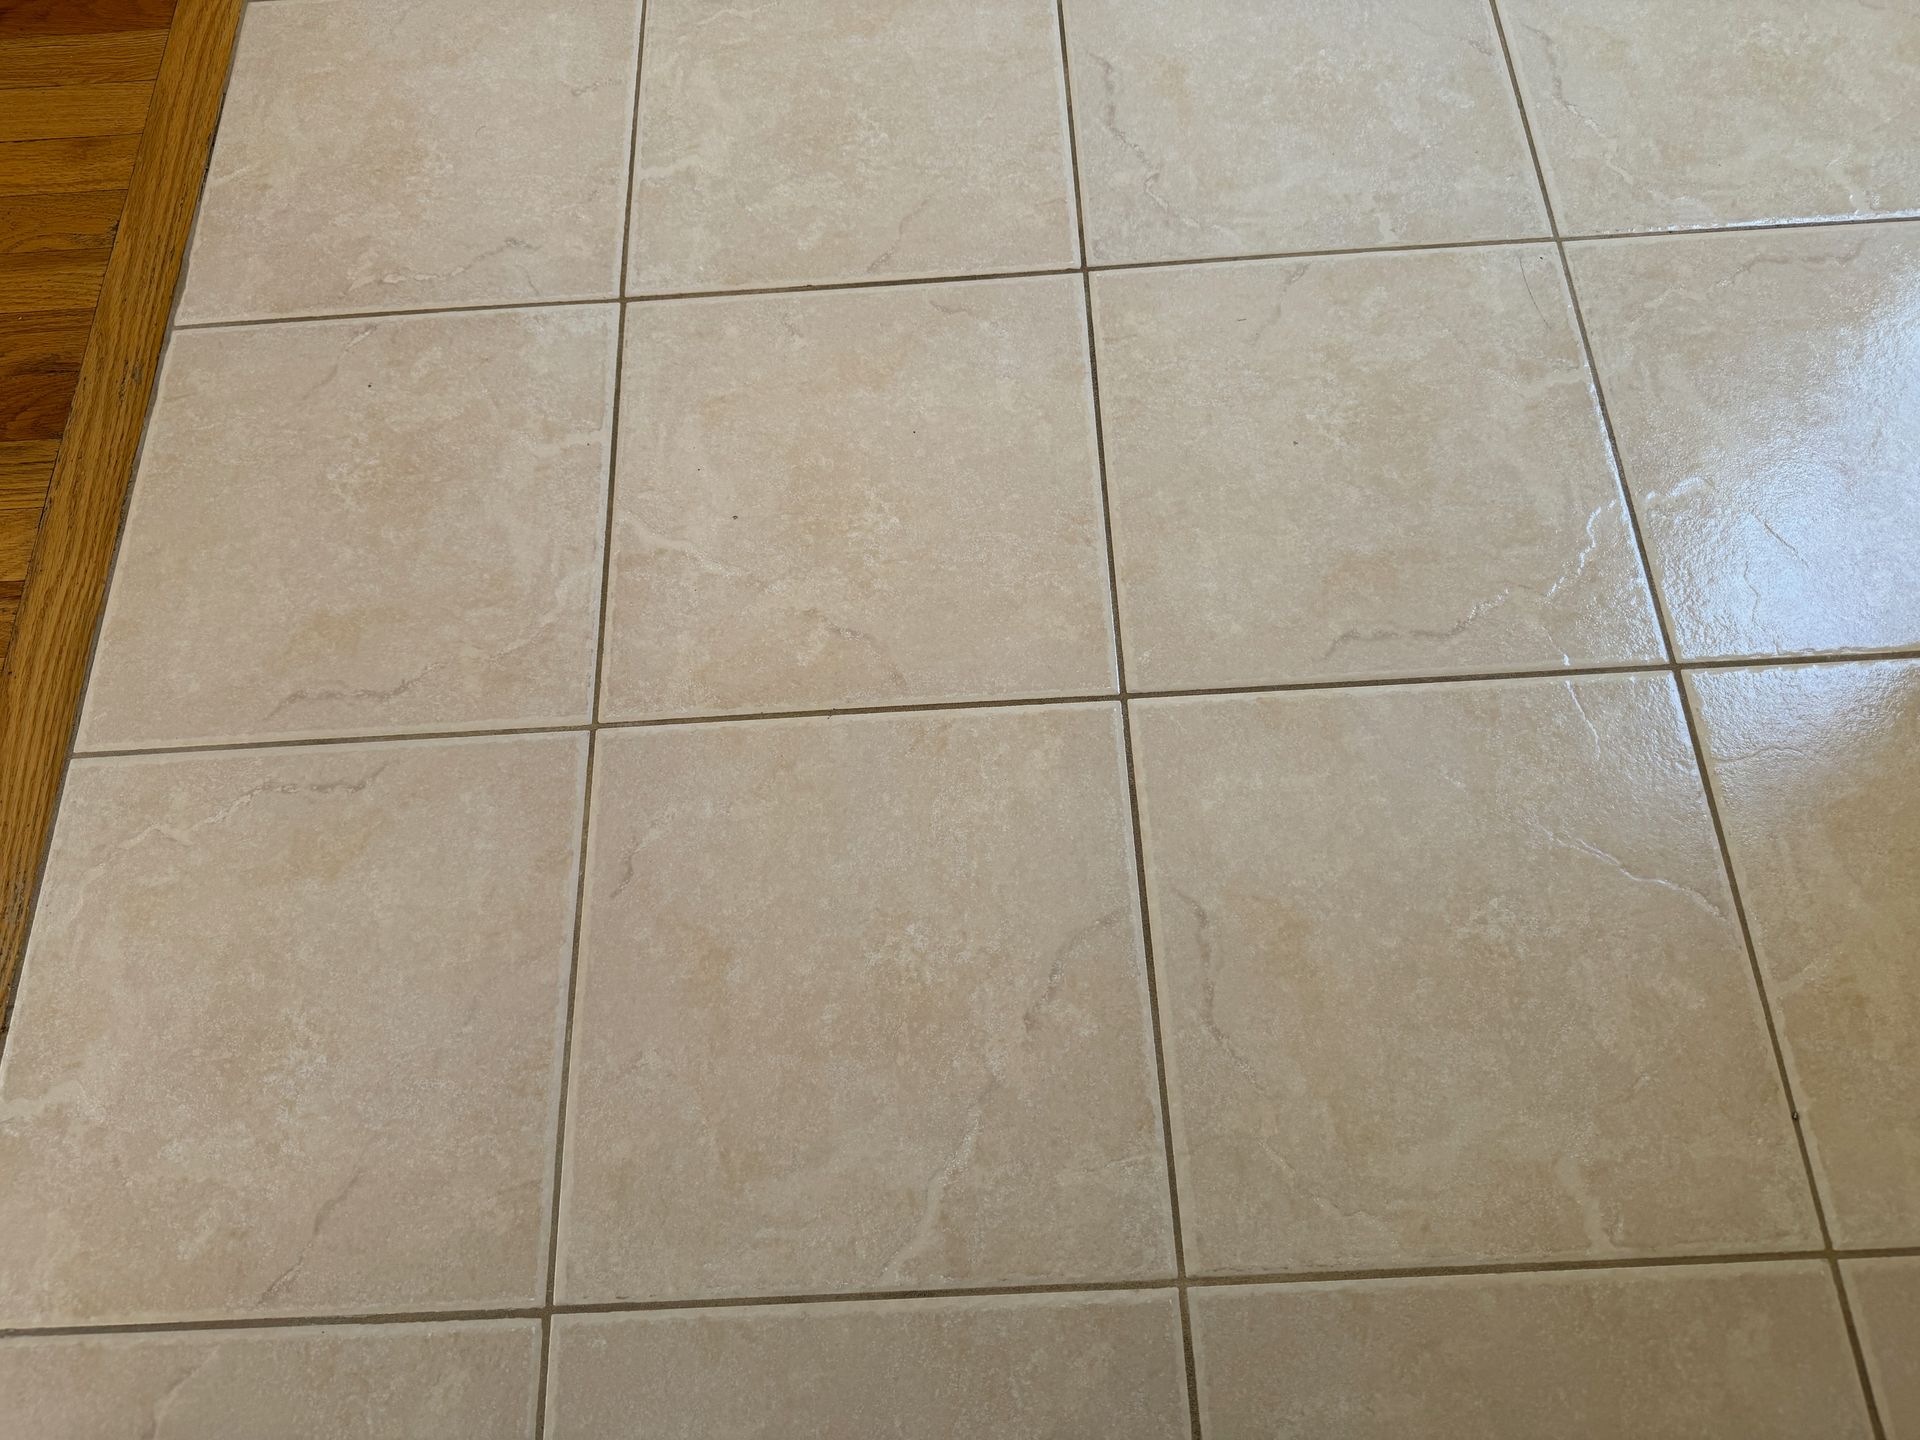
x,y
840,140
1817,769
1450,974
1237,127
363,526
353,1382
287,1035
989,1369
1651,115
862,498
1360,466
1763,390
374,156
1710,1352
1886,1306
862,1006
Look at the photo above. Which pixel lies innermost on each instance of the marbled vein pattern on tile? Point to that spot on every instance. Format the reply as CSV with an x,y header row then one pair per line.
x,y
355,1382
381,156
1765,390
1357,467
862,1007
1719,1352
871,497
1818,773
1236,127
286,1038
1451,975
1016,1368
1652,115
363,526
789,143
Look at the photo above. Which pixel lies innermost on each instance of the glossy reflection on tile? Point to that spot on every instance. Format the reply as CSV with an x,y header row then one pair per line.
x,y
363,526
862,1007
1720,1352
1817,769
1235,127
353,1382
286,1038
862,498
1651,115
844,140
1885,1295
1360,467
1765,390
1450,974
375,156
989,1369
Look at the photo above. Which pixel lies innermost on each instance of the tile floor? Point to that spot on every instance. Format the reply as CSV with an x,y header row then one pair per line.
x,y
1072,717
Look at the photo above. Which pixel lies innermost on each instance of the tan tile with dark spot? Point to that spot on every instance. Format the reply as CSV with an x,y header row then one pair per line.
x,y
1357,467
1711,1352
1241,127
1016,1368
1885,1295
1449,975
374,156
1765,390
287,1036
1817,769
1653,116
351,1382
363,527
847,140
873,497
861,1007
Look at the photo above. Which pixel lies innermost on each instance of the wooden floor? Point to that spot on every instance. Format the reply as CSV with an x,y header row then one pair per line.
x,y
107,111
76,80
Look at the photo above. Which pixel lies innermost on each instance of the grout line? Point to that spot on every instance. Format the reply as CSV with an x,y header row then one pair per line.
x,y
593,744
975,277
917,707
1681,690
1150,969
1358,1275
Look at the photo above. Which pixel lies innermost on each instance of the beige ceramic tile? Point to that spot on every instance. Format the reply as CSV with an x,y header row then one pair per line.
x,y
1817,769
868,497
1652,115
861,1007
1765,390
796,143
357,1382
363,526
287,1032
1720,1352
1886,1306
1450,974
375,156
1029,1366
1236,127
1360,466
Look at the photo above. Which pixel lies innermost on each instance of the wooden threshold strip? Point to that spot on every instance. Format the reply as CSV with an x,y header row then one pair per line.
x,y
45,667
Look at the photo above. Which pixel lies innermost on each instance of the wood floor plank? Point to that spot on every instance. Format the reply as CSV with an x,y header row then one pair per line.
x,y
50,280
40,359
37,60
59,609
25,465
57,167
53,112
83,220
83,17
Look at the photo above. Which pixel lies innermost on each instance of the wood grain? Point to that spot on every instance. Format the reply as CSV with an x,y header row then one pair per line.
x,y
59,608
44,112
38,60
